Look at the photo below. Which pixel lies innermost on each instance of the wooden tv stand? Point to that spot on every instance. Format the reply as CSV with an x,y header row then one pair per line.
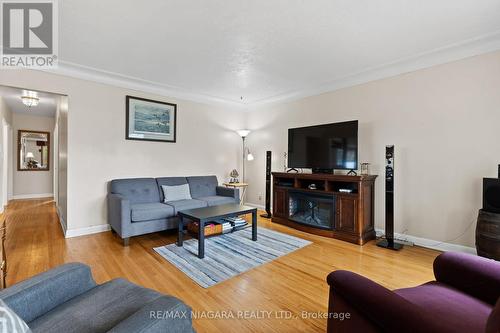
x,y
325,210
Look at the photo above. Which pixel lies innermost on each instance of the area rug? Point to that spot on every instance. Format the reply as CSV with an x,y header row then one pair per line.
x,y
230,254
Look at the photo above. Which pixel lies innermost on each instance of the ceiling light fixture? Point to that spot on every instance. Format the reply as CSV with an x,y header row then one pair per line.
x,y
30,98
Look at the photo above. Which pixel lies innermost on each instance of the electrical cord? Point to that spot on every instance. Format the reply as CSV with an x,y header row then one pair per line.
x,y
436,244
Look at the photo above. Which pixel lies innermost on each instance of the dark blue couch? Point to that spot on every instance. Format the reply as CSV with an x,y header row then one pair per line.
x,y
136,207
67,299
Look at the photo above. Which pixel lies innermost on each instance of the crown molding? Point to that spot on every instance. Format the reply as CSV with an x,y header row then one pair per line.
x,y
87,73
468,48
450,53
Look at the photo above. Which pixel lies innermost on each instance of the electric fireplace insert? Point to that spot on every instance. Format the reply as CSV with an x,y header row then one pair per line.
x,y
314,210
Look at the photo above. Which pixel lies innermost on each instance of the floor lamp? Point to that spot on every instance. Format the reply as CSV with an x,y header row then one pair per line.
x,y
246,152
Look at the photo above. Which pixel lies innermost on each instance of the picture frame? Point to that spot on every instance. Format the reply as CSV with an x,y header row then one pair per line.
x,y
33,150
150,120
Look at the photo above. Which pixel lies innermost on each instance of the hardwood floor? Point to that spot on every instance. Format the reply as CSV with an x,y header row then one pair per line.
x,y
293,283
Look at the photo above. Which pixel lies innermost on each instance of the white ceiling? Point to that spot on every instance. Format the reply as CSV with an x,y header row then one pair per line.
x,y
267,50
46,108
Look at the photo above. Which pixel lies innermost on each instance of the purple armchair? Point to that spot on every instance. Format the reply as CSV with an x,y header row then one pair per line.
x,y
464,298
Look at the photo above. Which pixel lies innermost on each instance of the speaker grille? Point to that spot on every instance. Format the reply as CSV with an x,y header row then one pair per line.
x,y
491,195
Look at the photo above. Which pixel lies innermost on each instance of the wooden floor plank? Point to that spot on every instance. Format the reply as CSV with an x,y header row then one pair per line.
x,y
294,283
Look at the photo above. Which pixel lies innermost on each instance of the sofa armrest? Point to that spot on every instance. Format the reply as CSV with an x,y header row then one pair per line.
x,y
38,295
476,276
119,214
228,192
165,314
387,311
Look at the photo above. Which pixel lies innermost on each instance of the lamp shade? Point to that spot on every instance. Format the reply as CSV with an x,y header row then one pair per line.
x,y
243,132
30,155
250,156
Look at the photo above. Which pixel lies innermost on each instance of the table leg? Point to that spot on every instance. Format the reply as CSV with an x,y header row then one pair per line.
x,y
180,231
254,225
243,192
201,240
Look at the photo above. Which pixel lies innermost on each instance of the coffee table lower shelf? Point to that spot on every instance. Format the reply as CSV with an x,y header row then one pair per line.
x,y
209,214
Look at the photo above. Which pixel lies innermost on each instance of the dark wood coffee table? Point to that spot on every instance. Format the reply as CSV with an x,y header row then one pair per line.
x,y
210,214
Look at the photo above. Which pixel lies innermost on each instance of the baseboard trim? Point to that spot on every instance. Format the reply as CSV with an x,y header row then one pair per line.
x,y
255,205
431,243
70,233
32,196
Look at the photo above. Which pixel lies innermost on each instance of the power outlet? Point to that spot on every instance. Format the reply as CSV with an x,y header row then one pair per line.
x,y
260,196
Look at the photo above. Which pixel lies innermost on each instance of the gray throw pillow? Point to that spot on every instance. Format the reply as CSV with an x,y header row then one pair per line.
x,y
177,192
10,321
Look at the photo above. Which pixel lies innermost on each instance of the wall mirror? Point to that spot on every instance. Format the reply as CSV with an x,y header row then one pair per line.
x,y
33,152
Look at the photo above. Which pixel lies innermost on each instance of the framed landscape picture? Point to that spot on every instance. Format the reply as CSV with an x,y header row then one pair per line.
x,y
150,120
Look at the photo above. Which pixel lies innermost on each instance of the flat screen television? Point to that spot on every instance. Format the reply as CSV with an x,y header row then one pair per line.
x,y
324,147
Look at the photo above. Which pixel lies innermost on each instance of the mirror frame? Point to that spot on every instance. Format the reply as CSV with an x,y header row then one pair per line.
x,y
19,133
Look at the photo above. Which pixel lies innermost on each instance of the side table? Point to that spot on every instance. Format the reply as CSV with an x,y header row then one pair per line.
x,y
243,187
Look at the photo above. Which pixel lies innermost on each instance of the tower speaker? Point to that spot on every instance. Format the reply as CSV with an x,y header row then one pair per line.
x,y
389,242
491,195
268,186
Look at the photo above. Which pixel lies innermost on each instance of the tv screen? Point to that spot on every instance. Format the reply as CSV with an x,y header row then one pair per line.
x,y
328,146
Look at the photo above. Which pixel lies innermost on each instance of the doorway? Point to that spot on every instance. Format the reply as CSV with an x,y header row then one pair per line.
x,y
34,146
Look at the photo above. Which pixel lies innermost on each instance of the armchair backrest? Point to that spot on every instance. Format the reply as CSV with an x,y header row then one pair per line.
x,y
476,276
36,296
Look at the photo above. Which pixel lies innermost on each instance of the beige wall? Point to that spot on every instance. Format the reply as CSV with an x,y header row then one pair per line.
x,y
98,152
444,123
26,183
61,164
5,112
5,154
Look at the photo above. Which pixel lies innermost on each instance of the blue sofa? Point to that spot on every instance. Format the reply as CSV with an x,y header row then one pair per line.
x,y
67,299
136,206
